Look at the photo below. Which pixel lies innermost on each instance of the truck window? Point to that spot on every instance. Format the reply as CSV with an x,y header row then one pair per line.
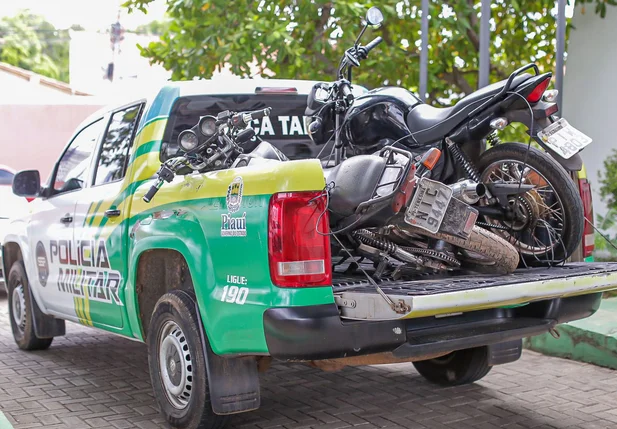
x,y
6,177
113,155
73,167
284,128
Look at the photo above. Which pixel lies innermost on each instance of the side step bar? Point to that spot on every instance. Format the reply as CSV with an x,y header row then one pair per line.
x,y
430,341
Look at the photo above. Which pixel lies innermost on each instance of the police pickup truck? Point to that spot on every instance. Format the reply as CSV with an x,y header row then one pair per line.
x,y
194,273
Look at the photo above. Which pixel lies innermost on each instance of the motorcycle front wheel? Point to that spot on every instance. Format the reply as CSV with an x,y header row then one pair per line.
x,y
548,220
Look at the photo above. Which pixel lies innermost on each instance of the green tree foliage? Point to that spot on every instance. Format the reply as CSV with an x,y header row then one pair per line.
x,y
304,39
30,42
156,28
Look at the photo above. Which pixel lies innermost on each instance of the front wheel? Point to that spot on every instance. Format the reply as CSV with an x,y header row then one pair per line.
x,y
546,223
177,364
21,311
456,368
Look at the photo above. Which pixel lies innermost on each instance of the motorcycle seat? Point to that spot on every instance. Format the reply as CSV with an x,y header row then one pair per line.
x,y
429,124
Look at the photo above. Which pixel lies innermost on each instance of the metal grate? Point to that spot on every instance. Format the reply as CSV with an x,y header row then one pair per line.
x,y
430,284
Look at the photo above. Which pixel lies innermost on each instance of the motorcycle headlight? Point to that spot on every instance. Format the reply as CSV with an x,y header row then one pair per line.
x,y
188,140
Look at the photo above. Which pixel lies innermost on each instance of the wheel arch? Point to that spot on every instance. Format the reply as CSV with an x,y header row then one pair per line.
x,y
160,266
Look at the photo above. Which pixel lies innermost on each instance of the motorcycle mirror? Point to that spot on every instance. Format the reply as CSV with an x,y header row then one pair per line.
x,y
374,16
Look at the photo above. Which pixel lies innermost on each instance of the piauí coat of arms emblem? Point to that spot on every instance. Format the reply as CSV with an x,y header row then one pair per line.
x,y
234,195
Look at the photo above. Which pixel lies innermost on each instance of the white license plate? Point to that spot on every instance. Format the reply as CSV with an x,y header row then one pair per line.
x,y
564,139
429,205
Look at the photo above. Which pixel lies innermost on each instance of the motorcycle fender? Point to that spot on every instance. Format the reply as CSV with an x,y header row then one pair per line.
x,y
574,163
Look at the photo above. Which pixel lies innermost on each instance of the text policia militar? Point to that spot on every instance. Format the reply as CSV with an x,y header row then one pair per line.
x,y
83,269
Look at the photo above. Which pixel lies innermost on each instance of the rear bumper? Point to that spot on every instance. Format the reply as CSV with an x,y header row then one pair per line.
x,y
317,332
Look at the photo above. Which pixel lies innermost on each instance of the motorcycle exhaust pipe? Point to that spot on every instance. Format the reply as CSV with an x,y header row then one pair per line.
x,y
468,191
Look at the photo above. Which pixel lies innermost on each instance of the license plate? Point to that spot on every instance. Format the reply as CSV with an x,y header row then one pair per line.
x,y
428,206
564,139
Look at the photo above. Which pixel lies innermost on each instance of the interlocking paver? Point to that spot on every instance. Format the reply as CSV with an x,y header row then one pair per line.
x,y
90,379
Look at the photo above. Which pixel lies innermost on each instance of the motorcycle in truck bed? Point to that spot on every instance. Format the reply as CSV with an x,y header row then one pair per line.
x,y
210,272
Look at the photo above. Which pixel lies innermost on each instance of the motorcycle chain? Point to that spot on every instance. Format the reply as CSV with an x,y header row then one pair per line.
x,y
440,256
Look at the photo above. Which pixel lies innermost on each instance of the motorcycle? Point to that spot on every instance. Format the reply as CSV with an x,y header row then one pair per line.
x,y
217,143
387,209
384,207
530,200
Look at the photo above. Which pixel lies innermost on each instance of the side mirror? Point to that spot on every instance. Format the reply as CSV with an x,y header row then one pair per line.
x,y
27,183
374,16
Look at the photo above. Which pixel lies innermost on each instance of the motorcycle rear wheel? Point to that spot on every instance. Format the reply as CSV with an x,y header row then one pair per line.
x,y
551,221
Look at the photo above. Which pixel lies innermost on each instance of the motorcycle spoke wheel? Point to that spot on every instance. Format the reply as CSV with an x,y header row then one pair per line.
x,y
539,220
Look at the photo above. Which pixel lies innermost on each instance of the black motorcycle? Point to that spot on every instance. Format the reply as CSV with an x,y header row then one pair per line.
x,y
530,199
217,143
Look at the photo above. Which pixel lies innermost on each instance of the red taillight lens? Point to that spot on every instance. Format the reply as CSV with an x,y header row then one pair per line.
x,y
589,237
299,252
538,91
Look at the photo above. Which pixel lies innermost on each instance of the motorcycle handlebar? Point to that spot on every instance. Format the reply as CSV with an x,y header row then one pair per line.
x,y
151,192
376,41
245,118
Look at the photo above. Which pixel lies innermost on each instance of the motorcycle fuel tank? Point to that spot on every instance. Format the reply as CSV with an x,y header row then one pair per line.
x,y
378,118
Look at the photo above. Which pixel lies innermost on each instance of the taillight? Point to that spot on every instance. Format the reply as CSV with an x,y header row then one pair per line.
x,y
535,95
298,243
589,237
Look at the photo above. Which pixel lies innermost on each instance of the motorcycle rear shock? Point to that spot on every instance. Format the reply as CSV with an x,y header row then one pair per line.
x,y
470,170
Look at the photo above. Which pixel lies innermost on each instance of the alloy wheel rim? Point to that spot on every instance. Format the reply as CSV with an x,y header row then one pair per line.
x,y
542,205
175,365
19,307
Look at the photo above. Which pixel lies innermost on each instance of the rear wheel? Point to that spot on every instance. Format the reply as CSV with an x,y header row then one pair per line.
x,y
456,368
548,220
20,311
177,364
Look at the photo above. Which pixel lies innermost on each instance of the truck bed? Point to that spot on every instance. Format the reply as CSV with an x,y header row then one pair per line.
x,y
432,295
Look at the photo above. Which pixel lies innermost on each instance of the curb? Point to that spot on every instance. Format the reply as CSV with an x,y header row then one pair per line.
x,y
4,423
591,340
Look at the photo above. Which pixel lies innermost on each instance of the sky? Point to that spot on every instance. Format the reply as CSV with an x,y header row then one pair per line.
x,y
90,14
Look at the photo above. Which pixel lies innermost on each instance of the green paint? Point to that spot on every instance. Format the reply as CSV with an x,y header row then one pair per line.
x,y
589,259
592,340
4,423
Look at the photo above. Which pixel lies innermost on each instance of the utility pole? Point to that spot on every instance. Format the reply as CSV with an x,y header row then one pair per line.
x,y
116,36
424,51
561,47
485,37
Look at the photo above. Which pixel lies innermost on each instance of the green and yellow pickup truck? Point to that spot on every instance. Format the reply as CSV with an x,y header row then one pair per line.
x,y
196,274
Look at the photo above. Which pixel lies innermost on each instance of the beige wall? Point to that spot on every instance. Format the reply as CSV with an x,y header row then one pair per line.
x,y
33,136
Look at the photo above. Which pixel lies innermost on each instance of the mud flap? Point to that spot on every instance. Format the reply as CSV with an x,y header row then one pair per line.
x,y
233,382
45,326
507,352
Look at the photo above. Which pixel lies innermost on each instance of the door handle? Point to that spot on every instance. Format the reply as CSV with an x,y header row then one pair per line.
x,y
112,213
67,218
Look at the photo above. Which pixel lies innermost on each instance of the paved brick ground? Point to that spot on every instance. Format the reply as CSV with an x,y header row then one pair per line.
x,y
93,379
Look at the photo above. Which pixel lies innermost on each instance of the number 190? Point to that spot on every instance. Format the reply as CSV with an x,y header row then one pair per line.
x,y
234,294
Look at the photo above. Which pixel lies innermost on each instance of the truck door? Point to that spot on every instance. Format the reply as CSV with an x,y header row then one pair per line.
x,y
99,226
50,231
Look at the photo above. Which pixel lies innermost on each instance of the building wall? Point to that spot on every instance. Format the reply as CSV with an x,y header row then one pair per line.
x,y
590,88
33,136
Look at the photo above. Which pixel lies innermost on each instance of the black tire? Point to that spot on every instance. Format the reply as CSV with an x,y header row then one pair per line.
x,y
564,187
456,368
20,309
177,309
